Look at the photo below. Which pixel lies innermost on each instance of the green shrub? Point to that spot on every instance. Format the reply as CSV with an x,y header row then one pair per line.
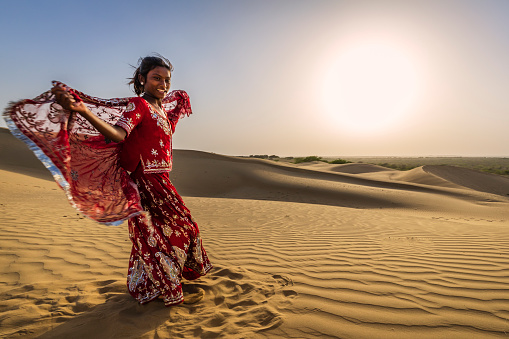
x,y
340,161
308,159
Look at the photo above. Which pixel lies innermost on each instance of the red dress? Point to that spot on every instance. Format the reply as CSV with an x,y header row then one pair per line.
x,y
166,241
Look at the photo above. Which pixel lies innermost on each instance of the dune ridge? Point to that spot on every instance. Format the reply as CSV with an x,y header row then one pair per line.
x,y
479,181
299,252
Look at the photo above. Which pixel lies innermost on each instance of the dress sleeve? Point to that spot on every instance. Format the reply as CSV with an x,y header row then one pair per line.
x,y
131,117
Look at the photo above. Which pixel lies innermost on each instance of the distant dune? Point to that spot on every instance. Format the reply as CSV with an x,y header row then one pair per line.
x,y
484,182
313,250
16,157
211,175
358,168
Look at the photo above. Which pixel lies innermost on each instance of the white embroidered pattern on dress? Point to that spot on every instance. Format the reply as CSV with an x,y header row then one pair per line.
x,y
197,250
156,166
171,270
167,231
135,276
180,254
152,241
130,107
125,123
162,122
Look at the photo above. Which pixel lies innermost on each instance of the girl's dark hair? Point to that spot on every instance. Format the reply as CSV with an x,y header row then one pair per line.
x,y
145,65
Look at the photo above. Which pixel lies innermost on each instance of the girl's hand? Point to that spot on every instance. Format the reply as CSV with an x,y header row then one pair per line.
x,y
67,100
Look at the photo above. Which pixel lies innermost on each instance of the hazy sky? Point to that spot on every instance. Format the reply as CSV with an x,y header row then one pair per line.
x,y
285,77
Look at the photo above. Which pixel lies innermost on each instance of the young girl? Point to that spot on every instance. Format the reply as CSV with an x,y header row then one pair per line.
x,y
135,136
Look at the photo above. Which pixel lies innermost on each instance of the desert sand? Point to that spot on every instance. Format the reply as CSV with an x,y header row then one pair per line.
x,y
300,251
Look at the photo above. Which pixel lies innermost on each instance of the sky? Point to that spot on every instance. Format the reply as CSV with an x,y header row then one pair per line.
x,y
285,77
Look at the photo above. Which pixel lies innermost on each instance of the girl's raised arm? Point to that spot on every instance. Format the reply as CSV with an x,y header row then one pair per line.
x,y
69,102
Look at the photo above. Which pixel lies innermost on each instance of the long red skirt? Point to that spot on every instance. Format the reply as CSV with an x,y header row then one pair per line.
x,y
166,242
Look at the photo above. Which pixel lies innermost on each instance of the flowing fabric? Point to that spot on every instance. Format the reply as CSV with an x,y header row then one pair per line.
x,y
83,163
166,241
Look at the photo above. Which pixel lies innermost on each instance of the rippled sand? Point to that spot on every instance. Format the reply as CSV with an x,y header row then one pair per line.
x,y
340,251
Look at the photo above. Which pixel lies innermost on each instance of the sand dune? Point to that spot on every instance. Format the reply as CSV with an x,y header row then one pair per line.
x,y
413,176
357,168
352,168
484,182
299,252
256,179
16,157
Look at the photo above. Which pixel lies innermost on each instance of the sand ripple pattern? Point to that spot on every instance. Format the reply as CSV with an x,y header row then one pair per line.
x,y
63,276
367,274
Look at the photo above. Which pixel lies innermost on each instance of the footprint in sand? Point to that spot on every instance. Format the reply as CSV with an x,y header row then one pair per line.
x,y
233,301
227,303
192,293
283,280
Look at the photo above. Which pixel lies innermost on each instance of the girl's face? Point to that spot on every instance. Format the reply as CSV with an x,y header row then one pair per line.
x,y
158,82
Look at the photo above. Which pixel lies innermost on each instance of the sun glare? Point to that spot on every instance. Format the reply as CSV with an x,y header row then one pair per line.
x,y
370,88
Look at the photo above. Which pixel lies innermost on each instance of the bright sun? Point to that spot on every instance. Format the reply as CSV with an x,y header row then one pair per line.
x,y
370,87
